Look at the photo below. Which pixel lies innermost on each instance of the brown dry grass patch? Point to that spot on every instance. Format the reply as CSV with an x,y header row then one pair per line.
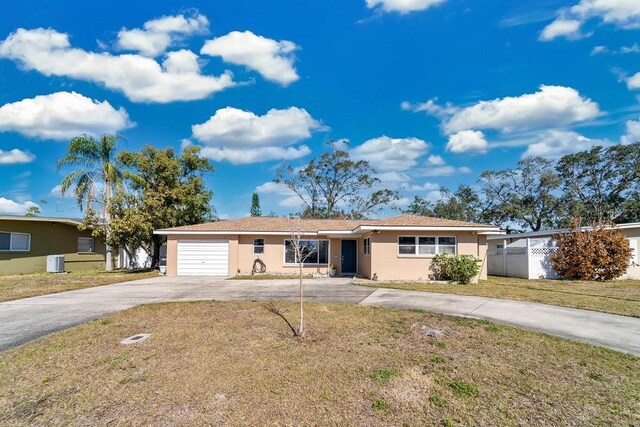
x,y
616,296
234,363
31,285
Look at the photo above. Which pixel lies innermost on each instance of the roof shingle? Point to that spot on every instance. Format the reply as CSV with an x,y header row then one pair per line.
x,y
280,224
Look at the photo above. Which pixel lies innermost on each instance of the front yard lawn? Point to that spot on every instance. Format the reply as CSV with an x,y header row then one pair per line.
x,y
31,285
616,296
234,363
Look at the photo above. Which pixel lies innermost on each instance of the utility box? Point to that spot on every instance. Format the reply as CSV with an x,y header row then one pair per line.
x,y
55,263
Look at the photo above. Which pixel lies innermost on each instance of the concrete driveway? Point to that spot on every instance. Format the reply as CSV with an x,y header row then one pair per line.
x,y
30,318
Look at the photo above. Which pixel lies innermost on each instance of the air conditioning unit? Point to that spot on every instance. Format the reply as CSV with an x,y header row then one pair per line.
x,y
55,263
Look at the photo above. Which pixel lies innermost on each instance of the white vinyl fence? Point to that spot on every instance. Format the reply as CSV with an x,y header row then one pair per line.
x,y
526,258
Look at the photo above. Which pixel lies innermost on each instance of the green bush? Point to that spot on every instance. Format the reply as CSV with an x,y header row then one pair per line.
x,y
458,268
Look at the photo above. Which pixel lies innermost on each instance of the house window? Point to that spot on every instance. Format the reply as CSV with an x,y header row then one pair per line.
x,y
15,242
312,252
86,244
426,245
367,246
258,246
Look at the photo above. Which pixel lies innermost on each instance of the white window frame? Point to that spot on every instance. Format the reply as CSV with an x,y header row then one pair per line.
x,y
416,253
93,245
258,246
366,246
289,264
11,233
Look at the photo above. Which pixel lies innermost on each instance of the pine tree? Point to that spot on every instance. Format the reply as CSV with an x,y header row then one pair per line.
x,y
255,205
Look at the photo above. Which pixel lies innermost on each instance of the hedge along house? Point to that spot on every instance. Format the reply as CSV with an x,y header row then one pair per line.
x,y
528,255
25,243
397,248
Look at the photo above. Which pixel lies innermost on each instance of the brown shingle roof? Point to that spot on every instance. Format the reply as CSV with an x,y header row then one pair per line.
x,y
279,224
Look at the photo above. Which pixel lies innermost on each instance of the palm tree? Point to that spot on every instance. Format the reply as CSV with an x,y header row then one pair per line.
x,y
96,163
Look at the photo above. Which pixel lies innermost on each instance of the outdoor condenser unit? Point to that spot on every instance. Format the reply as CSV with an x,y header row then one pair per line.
x,y
55,263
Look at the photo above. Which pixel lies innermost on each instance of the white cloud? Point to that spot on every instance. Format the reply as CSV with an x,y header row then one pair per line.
x,y
403,6
62,115
140,78
15,156
633,82
10,207
393,178
239,156
623,14
271,58
427,186
287,197
467,141
243,137
445,170
634,48
555,144
435,160
599,50
391,154
633,132
158,34
569,28
551,106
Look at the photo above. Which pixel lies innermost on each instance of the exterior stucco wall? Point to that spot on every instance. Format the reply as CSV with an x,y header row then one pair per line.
x,y
273,255
364,261
49,238
172,250
388,264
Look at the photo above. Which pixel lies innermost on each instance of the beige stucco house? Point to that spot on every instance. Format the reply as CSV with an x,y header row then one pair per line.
x,y
397,248
25,243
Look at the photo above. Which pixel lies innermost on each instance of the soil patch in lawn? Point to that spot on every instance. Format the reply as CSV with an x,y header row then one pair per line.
x,y
31,285
616,296
235,363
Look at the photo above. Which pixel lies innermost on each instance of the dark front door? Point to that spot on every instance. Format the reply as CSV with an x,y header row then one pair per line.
x,y
349,256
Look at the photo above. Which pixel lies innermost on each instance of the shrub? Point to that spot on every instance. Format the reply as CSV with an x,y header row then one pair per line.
x,y
598,253
460,268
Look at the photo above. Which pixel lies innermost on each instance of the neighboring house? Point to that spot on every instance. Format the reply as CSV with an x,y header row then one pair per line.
x,y
397,248
25,243
528,255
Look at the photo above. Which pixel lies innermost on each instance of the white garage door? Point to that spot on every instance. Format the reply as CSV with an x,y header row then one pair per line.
x,y
203,258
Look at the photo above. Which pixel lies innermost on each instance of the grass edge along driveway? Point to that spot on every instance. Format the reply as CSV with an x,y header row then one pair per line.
x,y
616,296
15,287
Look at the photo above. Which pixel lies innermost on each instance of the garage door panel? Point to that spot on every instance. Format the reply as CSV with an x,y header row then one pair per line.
x,y
203,258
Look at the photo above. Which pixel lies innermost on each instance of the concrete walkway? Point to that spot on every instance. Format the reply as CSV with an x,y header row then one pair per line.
x,y
30,318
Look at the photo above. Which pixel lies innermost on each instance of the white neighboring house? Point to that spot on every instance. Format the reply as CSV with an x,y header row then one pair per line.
x,y
528,255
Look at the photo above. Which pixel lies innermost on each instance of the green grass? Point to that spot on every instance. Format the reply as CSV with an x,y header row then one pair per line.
x,y
30,285
616,296
235,363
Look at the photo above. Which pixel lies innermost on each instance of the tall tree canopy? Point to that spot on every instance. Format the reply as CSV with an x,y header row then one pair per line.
x,y
171,187
95,162
527,195
601,184
333,186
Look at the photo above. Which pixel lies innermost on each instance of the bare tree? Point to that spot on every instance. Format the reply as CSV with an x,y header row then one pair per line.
x,y
302,249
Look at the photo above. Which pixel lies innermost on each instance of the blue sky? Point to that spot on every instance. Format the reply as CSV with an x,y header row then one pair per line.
x,y
431,92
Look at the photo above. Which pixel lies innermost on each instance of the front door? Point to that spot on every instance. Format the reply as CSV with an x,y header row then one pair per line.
x,y
349,257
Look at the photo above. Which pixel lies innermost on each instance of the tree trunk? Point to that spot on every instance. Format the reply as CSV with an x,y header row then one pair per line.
x,y
107,218
301,329
155,248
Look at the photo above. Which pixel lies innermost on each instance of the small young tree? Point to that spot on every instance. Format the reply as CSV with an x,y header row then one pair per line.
x,y
255,205
302,250
599,253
